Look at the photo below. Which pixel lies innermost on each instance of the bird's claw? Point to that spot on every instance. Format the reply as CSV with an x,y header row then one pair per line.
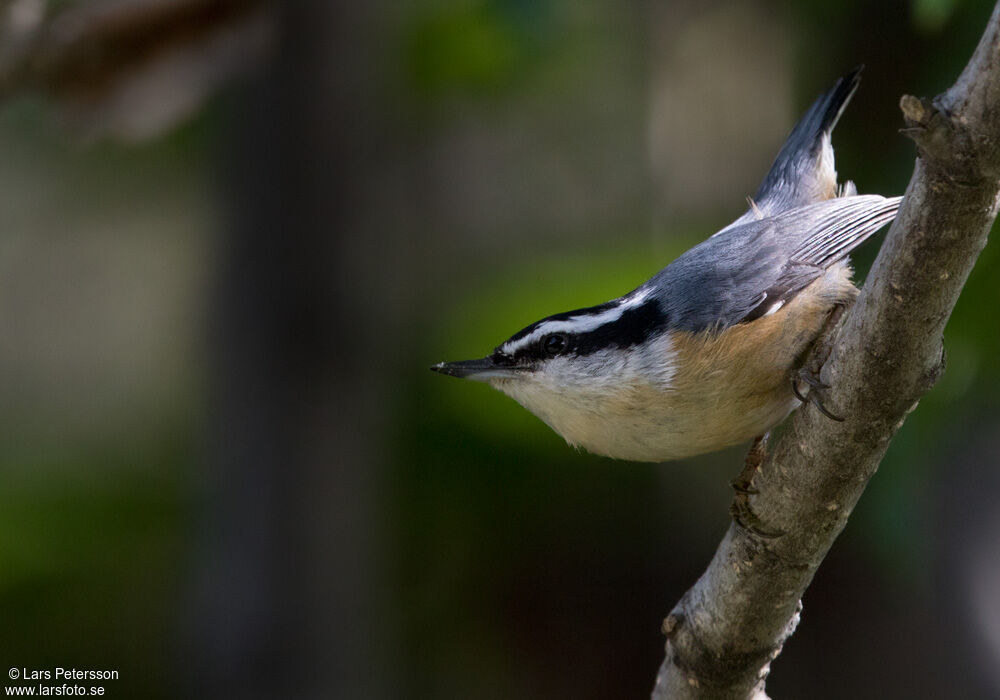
x,y
810,375
816,385
740,509
743,487
745,518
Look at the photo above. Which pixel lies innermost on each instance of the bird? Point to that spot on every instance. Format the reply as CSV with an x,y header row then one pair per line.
x,y
711,351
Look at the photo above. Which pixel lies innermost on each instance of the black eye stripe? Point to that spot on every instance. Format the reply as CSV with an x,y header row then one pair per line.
x,y
555,344
635,325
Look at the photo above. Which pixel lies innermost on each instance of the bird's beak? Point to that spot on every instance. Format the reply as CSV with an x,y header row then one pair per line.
x,y
480,370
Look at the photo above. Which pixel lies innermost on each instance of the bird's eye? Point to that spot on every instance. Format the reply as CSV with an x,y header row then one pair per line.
x,y
554,344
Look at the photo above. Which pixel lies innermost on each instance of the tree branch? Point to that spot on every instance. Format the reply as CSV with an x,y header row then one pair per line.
x,y
129,68
726,630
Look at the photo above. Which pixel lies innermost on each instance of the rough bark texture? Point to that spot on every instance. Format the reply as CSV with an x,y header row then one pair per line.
x,y
726,630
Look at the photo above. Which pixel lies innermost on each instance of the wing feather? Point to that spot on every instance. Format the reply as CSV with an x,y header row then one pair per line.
x,y
837,227
748,270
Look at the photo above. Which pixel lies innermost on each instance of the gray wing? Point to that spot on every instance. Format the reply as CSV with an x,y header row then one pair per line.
x,y
743,272
804,172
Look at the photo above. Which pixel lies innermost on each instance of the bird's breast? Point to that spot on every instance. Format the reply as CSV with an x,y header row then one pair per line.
x,y
716,389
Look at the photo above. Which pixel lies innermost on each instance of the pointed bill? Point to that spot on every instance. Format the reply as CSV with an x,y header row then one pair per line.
x,y
479,370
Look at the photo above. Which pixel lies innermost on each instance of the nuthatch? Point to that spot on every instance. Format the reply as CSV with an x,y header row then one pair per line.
x,y
708,352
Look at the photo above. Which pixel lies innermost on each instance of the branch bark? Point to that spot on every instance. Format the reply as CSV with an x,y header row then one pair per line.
x,y
726,630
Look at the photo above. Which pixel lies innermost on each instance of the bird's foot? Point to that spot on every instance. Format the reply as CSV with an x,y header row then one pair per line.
x,y
812,379
746,519
818,355
743,483
740,509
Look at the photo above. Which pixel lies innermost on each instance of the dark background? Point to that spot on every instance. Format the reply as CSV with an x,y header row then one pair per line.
x,y
224,467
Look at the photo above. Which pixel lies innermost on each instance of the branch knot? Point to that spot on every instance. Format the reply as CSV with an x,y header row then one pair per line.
x,y
943,141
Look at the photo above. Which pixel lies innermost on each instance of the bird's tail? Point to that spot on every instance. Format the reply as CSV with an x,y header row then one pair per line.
x,y
804,172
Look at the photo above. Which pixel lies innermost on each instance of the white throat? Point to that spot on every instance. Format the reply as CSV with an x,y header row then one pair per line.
x,y
603,400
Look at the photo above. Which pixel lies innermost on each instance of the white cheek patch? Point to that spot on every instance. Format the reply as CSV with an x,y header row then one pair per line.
x,y
565,385
652,364
581,398
577,324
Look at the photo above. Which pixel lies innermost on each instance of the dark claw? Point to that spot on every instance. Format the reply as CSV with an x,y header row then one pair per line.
x,y
815,401
742,487
744,517
819,354
813,398
813,380
740,509
798,394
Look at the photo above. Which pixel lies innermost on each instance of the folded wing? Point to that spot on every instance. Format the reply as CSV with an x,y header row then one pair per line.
x,y
744,272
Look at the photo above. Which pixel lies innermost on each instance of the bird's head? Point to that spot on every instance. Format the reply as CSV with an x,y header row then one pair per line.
x,y
569,368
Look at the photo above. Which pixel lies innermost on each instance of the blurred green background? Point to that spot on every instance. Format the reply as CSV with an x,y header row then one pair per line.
x,y
516,159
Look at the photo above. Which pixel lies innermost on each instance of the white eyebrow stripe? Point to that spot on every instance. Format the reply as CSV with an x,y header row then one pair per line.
x,y
578,324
